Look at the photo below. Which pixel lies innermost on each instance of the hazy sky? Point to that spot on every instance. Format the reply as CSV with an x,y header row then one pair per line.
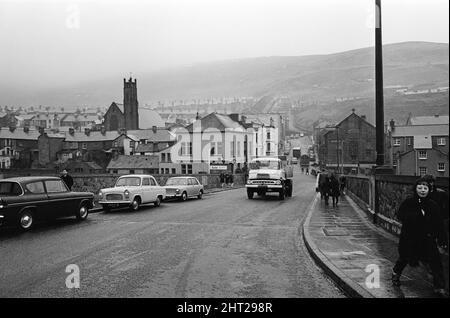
x,y
50,42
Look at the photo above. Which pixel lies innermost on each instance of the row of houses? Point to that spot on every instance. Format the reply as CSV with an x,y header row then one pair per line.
x,y
418,147
216,139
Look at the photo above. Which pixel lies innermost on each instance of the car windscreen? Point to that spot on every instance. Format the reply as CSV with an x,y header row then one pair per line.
x,y
128,182
265,164
10,189
176,181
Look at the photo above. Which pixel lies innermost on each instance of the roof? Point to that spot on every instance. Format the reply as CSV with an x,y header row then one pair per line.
x,y
149,118
429,120
133,162
93,136
161,134
81,117
90,164
28,179
224,120
420,130
19,134
120,106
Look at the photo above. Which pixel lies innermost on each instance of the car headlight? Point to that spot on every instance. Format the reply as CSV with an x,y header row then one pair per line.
x,y
126,193
278,182
177,190
100,194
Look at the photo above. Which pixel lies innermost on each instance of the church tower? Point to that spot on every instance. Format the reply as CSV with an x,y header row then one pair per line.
x,y
130,104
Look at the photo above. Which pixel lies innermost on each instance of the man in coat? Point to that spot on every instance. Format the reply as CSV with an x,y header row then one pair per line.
x,y
67,179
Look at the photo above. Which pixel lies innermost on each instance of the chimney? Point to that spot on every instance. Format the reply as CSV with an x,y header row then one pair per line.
x,y
26,129
154,129
436,115
392,124
103,130
41,130
12,128
71,131
87,131
364,117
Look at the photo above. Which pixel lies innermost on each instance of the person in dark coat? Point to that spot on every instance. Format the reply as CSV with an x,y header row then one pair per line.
x,y
334,190
326,188
441,198
343,184
67,179
222,179
422,231
321,181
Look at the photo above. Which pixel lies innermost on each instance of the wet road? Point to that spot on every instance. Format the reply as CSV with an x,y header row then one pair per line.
x,y
221,246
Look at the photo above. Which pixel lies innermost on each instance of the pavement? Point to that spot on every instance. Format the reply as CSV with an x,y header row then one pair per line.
x,y
353,252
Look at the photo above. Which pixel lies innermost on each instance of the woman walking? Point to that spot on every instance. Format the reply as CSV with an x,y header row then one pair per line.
x,y
422,230
334,190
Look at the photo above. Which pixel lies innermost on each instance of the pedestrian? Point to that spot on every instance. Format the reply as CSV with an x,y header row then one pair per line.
x,y
343,184
307,171
326,188
322,176
334,190
440,197
422,231
303,170
68,180
222,179
232,180
245,172
227,179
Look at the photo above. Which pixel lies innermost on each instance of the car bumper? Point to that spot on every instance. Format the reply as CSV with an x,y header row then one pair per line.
x,y
172,196
2,219
262,187
115,203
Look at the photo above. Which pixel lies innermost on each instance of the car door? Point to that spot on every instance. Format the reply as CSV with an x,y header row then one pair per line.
x,y
59,199
154,189
191,187
146,190
37,197
197,186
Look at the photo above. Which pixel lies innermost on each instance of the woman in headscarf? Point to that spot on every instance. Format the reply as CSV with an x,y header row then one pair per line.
x,y
422,231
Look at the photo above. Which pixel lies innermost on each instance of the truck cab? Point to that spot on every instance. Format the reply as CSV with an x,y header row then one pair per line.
x,y
268,175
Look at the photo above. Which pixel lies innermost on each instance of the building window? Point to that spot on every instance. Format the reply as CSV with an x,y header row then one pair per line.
x,y
397,142
422,171
268,147
268,135
422,154
409,141
238,148
84,145
131,171
162,170
167,171
441,141
189,169
163,157
115,171
441,166
394,162
169,159
183,169
174,171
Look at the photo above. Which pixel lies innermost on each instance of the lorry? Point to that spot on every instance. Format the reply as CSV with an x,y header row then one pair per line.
x,y
269,175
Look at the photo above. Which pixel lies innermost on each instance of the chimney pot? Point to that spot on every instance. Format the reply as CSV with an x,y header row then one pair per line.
x,y
154,129
71,131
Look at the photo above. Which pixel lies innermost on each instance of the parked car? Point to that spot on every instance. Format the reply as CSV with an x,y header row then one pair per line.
x,y
25,200
132,191
183,188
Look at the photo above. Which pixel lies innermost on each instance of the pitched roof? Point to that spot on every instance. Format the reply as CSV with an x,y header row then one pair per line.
x,y
224,121
422,142
19,134
429,120
420,130
133,162
93,136
81,117
161,134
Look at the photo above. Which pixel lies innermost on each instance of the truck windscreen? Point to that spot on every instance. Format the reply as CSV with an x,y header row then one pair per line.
x,y
265,164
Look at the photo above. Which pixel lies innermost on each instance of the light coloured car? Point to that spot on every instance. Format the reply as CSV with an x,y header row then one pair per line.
x,y
183,188
132,191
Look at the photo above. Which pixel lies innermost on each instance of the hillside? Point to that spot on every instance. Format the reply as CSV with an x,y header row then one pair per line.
x,y
316,81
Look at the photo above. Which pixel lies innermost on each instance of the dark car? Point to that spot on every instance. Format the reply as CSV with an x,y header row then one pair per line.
x,y
25,200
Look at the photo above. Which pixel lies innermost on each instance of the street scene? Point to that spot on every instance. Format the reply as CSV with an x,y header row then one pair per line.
x,y
223,150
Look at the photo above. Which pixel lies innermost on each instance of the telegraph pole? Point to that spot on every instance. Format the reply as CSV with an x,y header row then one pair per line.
x,y
379,96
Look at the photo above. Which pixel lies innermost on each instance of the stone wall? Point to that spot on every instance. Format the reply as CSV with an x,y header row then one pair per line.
x,y
380,196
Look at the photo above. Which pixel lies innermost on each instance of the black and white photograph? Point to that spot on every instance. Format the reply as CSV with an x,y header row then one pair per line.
x,y
224,154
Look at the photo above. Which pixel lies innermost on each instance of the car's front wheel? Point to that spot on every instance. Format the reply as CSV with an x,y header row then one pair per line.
x,y
26,220
183,196
135,205
158,201
82,213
